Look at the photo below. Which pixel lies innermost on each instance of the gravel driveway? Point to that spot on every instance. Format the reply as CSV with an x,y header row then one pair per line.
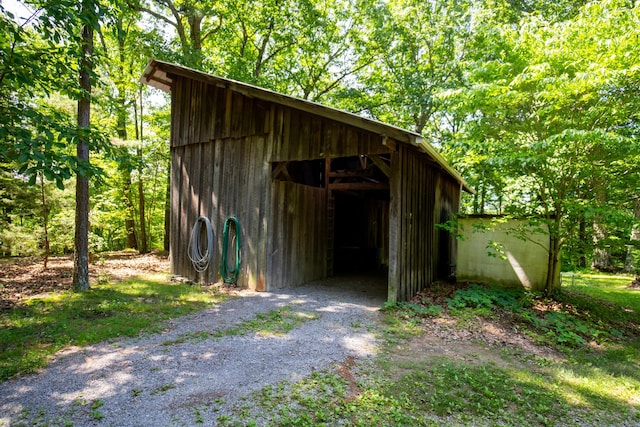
x,y
161,379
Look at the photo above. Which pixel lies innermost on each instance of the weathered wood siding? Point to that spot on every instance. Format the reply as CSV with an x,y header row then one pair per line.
x,y
220,179
302,136
203,112
297,247
447,205
221,146
416,206
218,170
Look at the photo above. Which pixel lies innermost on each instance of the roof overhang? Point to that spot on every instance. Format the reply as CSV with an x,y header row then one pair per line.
x,y
160,74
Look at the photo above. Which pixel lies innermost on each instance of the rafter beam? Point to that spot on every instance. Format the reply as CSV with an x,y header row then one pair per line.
x,y
358,186
381,164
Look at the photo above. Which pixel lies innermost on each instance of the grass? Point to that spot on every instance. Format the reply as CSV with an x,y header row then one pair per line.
x,y
276,322
591,378
31,333
604,288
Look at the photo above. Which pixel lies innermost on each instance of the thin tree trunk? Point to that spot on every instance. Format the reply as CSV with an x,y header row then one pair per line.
x,y
45,222
553,261
81,240
121,128
552,265
601,255
143,248
129,222
582,234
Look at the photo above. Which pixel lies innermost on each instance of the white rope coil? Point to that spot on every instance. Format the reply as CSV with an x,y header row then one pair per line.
x,y
199,258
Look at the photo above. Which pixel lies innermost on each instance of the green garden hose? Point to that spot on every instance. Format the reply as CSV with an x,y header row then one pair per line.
x,y
230,274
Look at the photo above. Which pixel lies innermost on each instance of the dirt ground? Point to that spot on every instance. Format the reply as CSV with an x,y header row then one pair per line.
x,y
25,277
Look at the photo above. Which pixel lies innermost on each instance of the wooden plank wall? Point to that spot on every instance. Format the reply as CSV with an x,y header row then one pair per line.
x,y
378,229
202,113
222,143
302,136
217,180
417,199
297,245
447,204
217,171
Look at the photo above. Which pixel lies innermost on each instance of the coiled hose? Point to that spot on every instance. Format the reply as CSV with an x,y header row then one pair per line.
x,y
199,258
230,273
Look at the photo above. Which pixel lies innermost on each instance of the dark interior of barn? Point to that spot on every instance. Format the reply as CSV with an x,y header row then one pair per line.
x,y
358,212
361,234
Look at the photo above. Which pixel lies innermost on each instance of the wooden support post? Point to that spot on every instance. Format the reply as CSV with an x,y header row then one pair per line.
x,y
331,212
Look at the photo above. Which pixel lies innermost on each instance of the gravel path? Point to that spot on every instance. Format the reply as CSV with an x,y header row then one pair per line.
x,y
163,379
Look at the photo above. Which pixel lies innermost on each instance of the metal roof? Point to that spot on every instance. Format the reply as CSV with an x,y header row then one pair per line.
x,y
159,75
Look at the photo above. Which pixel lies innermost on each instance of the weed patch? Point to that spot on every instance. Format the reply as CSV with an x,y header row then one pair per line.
x,y
277,322
550,322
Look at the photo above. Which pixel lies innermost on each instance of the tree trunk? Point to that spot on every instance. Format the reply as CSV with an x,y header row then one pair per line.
x,y
129,222
601,255
555,248
45,221
552,265
143,249
81,240
121,129
582,234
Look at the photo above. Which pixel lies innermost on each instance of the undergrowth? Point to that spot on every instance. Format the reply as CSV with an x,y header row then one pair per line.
x,y
553,322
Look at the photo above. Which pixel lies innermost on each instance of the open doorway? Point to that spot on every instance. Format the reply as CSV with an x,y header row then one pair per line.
x,y
361,237
359,189
357,209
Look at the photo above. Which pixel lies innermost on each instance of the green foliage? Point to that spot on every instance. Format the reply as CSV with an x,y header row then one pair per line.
x,y
404,319
476,296
535,102
485,391
37,130
605,301
411,309
560,328
549,118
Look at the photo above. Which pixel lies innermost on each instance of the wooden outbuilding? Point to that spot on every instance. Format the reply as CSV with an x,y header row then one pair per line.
x,y
316,191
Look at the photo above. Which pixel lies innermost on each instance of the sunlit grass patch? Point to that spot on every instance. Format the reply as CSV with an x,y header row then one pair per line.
x,y
599,386
608,288
277,322
30,333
